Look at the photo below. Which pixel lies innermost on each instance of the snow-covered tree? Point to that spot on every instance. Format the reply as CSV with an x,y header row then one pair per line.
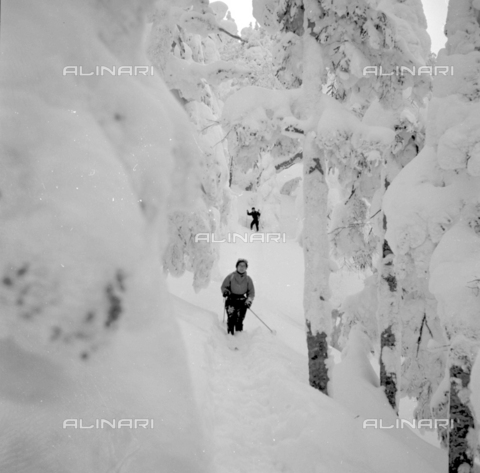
x,y
182,45
433,212
257,148
253,53
370,143
364,117
90,165
255,117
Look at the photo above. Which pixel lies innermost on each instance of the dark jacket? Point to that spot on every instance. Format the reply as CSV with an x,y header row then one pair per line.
x,y
255,215
239,284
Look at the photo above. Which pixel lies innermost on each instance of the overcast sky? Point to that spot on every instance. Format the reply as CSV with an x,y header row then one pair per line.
x,y
435,11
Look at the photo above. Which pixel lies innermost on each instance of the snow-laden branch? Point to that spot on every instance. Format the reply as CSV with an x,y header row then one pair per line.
x,y
361,224
204,24
189,76
276,104
342,132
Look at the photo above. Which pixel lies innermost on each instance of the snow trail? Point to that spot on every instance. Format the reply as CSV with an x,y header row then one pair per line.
x,y
241,400
263,417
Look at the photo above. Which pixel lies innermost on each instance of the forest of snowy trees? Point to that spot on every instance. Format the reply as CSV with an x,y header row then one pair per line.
x,y
106,180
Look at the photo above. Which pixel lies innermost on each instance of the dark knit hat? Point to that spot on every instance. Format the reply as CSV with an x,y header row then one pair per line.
x,y
242,260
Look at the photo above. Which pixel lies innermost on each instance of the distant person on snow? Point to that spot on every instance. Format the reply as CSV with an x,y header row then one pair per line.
x,y
239,292
255,214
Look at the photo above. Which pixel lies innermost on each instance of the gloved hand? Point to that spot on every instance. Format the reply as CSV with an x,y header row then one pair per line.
x,y
248,303
226,293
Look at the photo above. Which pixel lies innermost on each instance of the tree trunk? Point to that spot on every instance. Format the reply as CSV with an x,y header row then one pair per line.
x,y
315,197
460,452
317,269
230,172
389,324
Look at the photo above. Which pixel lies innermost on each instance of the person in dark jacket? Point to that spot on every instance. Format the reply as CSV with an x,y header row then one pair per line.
x,y
255,214
239,291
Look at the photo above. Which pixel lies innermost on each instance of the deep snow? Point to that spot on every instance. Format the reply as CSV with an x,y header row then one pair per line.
x,y
256,402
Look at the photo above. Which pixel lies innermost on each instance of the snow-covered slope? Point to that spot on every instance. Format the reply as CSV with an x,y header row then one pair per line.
x,y
264,417
256,401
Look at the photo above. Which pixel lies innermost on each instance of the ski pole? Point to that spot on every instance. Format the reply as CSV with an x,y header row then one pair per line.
x,y
261,320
